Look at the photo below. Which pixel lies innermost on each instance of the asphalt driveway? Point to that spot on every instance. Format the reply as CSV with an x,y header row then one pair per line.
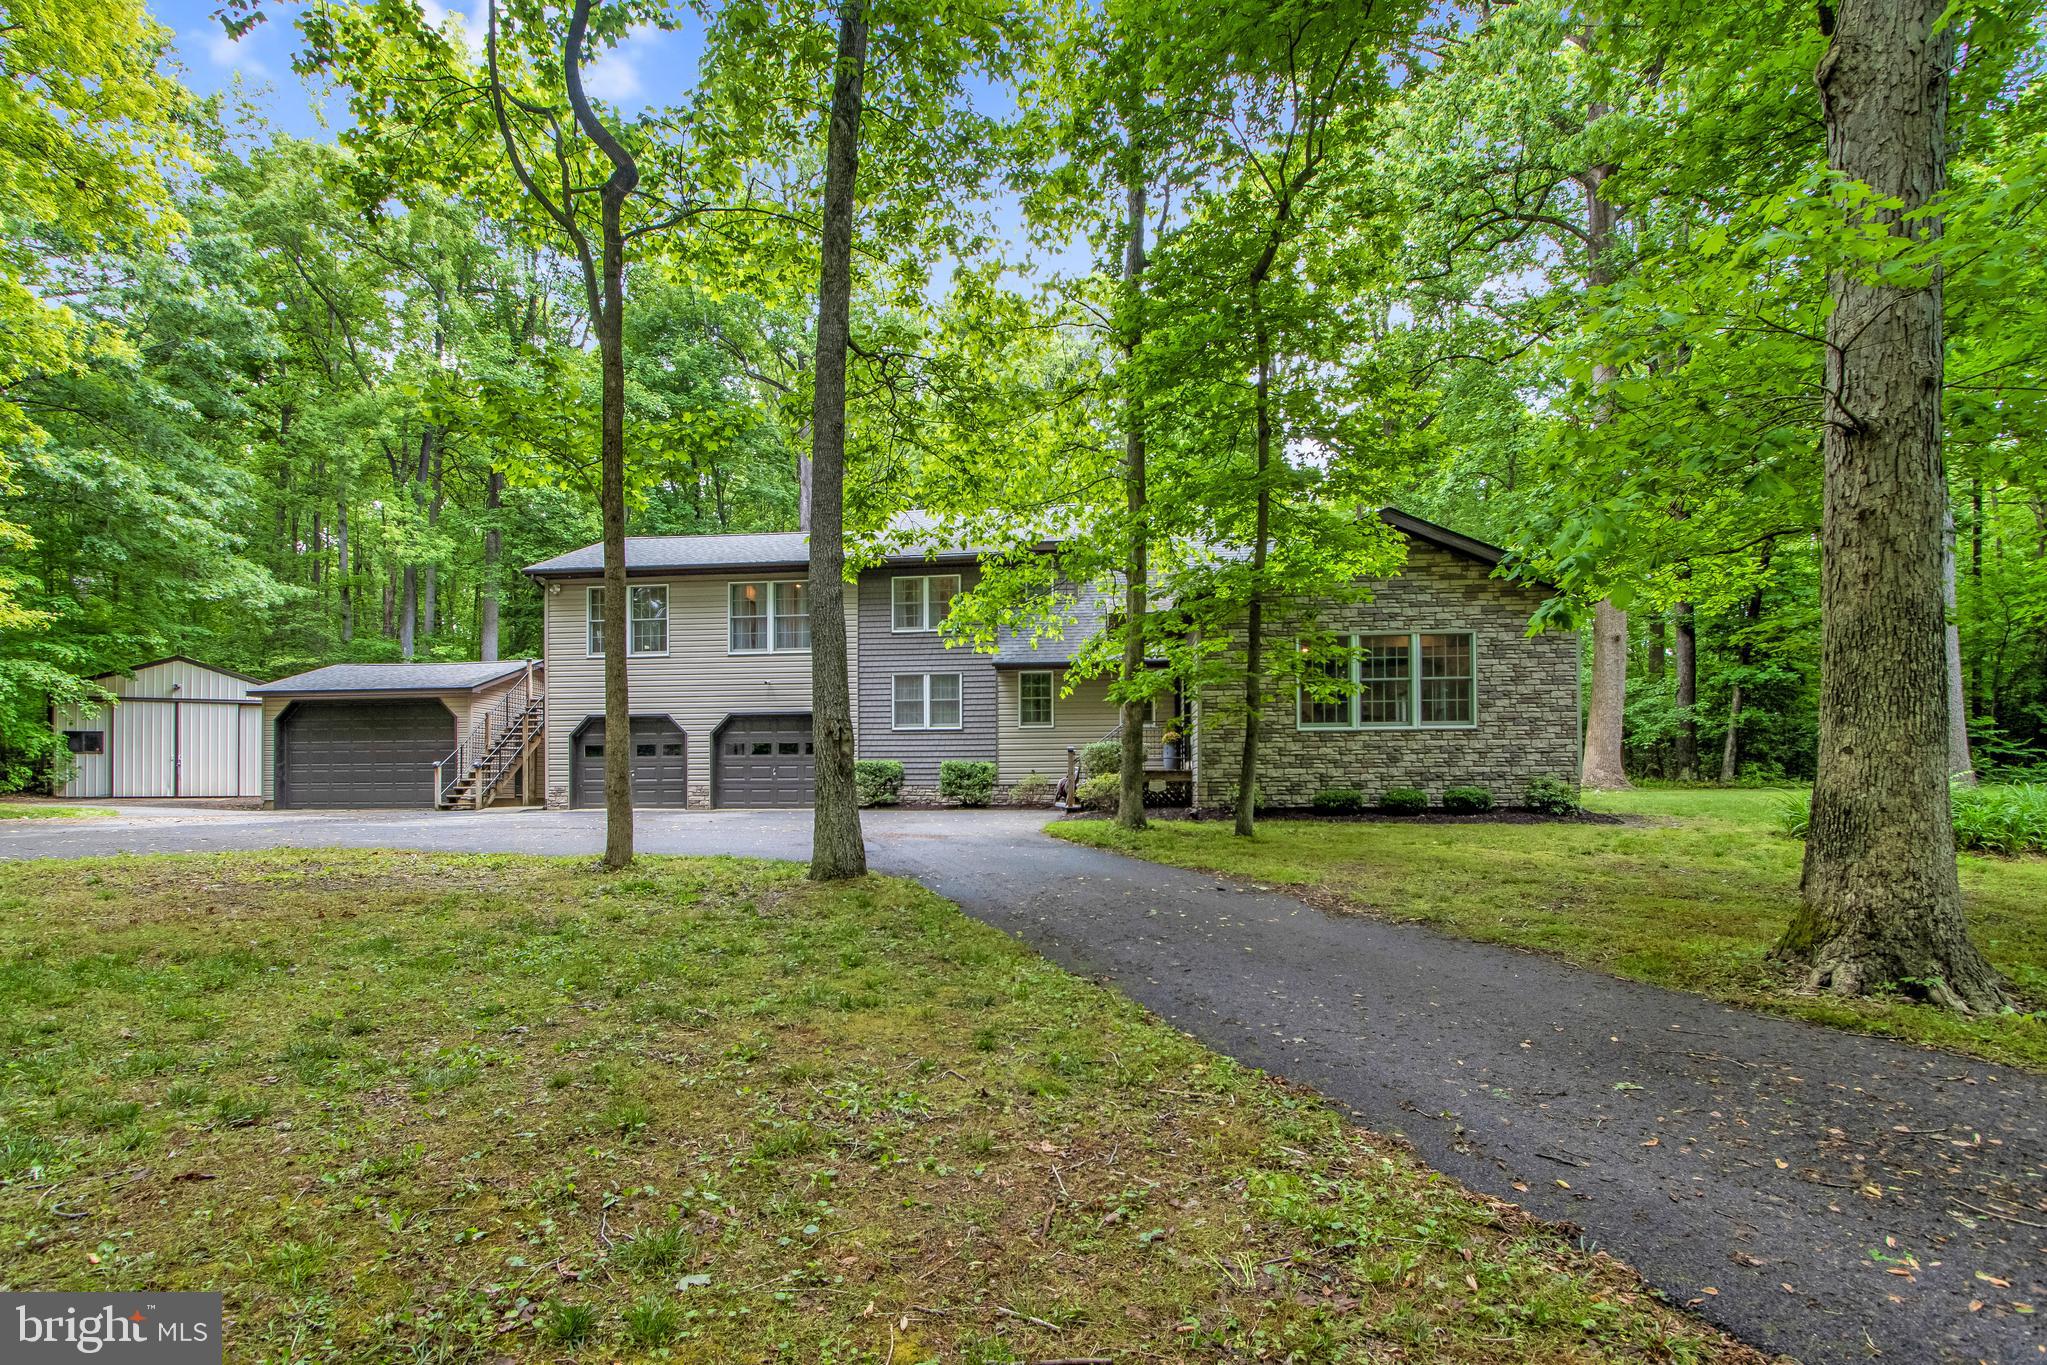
x,y
1832,1197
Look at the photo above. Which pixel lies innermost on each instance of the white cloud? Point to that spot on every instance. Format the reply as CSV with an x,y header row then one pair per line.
x,y
615,76
229,55
475,21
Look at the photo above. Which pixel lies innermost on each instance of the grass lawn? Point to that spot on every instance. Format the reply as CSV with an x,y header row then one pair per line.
x,y
27,810
1691,895
428,1108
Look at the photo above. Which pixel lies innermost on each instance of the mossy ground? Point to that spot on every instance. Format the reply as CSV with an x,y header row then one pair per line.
x,y
1692,893
409,1107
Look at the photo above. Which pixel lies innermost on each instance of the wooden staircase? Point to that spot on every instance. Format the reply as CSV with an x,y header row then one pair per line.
x,y
500,740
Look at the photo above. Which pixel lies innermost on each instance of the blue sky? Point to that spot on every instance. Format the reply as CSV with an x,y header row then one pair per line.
x,y
651,67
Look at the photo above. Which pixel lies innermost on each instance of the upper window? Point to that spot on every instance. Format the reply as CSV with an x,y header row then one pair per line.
x,y
921,602
86,741
767,616
646,626
1426,679
1034,699
926,701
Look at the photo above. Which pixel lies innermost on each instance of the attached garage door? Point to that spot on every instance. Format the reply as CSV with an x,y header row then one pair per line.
x,y
361,753
766,761
660,763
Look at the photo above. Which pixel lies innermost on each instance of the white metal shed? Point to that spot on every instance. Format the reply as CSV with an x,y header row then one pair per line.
x,y
178,728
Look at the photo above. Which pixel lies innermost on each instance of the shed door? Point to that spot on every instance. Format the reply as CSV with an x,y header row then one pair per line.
x,y
361,753
660,763
766,761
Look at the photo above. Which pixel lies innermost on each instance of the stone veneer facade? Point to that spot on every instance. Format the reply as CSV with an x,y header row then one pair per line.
x,y
1527,700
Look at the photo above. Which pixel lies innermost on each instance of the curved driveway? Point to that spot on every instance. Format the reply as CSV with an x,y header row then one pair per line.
x,y
1829,1196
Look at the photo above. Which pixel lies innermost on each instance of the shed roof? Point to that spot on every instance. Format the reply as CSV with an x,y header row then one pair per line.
x,y
463,677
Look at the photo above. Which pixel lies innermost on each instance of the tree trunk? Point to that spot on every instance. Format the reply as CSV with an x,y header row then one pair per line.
x,y
342,570
493,551
608,309
1658,650
1130,796
408,614
1744,657
1685,754
1603,769
838,849
1254,614
1961,768
1882,903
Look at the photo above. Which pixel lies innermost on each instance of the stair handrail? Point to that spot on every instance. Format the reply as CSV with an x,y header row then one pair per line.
x,y
488,731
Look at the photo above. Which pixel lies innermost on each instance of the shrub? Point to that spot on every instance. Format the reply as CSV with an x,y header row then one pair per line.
x,y
969,781
1794,815
878,781
2005,818
1467,800
1033,790
1099,792
1403,800
1552,796
1102,756
1338,800
1997,817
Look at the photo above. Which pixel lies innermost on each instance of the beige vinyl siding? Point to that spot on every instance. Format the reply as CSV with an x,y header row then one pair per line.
x,y
462,705
697,683
1077,719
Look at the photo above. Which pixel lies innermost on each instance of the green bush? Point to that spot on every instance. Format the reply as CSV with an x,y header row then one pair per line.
x,y
878,781
1467,800
969,781
2005,818
1099,792
1033,789
1994,817
1403,800
1102,756
1552,796
1338,800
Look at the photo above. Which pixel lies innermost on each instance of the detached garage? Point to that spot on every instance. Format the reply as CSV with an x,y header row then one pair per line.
x,y
177,728
361,736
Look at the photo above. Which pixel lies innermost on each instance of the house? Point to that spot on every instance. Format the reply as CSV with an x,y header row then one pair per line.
x,y
1444,688
402,735
177,728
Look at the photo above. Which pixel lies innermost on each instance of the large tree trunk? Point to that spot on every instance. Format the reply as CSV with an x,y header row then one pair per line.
x,y
1603,768
1685,753
1130,797
493,551
1882,904
837,847
608,310
1254,615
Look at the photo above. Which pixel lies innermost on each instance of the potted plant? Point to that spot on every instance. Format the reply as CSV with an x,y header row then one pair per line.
x,y
1173,738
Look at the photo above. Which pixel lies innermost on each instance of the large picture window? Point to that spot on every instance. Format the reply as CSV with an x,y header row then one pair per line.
x,y
765,617
646,627
926,701
1426,679
921,602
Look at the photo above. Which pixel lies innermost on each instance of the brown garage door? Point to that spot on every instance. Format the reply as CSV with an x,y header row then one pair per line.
x,y
352,754
660,763
766,761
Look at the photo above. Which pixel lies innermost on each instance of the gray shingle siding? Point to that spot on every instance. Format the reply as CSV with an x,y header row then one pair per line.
x,y
884,653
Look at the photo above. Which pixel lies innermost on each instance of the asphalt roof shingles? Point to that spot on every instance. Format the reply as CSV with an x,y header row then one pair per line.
x,y
396,677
